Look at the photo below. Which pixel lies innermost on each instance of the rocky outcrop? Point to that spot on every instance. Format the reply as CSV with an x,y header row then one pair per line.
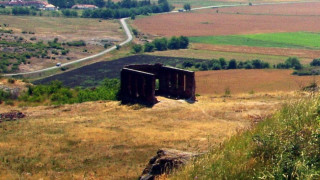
x,y
164,162
10,116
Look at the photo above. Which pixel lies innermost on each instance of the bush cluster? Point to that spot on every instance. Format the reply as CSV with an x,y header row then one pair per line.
x,y
38,49
219,64
69,13
5,96
315,62
291,62
76,43
163,44
309,71
56,93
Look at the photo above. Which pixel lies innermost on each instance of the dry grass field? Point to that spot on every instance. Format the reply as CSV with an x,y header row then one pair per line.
x,y
66,29
250,81
105,140
209,22
206,51
93,31
305,55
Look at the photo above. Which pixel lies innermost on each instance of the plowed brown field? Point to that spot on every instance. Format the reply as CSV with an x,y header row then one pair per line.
x,y
245,81
208,22
301,9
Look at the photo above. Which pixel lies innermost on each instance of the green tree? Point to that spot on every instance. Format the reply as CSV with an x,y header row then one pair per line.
x,y
133,16
135,32
187,64
315,62
184,42
293,62
165,6
148,47
223,63
62,3
232,64
174,43
99,3
187,7
137,48
161,44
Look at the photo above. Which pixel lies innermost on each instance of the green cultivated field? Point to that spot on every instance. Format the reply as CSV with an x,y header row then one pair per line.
x,y
300,40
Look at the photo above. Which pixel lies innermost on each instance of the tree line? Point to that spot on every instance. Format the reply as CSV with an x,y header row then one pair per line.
x,y
308,71
162,44
101,3
222,64
123,11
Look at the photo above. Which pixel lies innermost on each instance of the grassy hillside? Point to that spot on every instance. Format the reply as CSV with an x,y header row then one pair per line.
x,y
285,146
105,140
283,40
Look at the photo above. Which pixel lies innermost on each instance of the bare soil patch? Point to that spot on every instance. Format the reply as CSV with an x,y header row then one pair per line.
x,y
295,9
208,22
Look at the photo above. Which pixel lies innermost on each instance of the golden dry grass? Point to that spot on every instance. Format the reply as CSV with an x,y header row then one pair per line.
x,y
306,55
104,140
66,29
245,81
204,52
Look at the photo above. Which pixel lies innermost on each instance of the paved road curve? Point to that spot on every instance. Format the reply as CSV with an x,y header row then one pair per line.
x,y
129,38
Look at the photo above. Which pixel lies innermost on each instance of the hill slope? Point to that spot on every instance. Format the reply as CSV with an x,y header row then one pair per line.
x,y
285,146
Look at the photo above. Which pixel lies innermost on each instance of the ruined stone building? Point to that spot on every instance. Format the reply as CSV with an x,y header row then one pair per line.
x,y
138,83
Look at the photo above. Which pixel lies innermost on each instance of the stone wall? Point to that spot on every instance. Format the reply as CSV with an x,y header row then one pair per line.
x,y
138,83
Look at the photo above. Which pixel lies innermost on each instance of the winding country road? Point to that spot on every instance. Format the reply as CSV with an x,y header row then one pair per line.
x,y
129,37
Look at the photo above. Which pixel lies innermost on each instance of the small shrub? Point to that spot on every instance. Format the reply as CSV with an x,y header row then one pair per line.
x,y
148,47
135,32
137,48
77,43
11,81
9,103
227,92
